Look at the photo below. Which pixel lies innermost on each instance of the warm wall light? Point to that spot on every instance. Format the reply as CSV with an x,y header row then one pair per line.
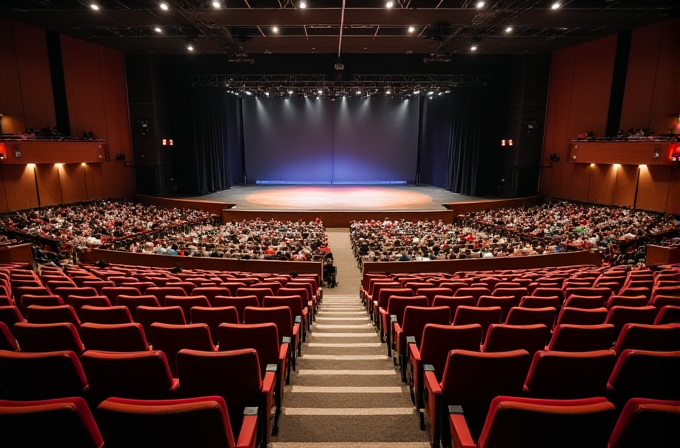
x,y
31,165
59,165
643,166
83,164
617,165
592,165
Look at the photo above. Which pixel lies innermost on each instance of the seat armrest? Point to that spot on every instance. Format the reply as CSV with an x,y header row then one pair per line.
x,y
269,381
431,382
460,433
285,340
271,368
283,351
414,353
393,318
298,319
410,340
248,435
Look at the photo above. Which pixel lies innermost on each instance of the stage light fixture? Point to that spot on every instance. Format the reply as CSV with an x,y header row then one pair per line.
x,y
275,29
94,6
416,92
411,29
164,6
303,4
158,29
388,92
216,5
358,92
473,48
389,4
190,44
556,5
431,92
508,29
480,5
290,92
320,92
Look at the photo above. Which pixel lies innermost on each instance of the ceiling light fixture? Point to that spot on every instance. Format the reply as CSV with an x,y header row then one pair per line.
x,y
480,5
94,6
275,29
303,4
290,92
190,44
473,48
411,29
216,5
164,6
556,5
158,29
508,29
389,4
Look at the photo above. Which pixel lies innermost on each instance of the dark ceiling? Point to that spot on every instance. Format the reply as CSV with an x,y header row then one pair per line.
x,y
436,28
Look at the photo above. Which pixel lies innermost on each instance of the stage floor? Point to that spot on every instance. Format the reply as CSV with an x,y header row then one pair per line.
x,y
337,197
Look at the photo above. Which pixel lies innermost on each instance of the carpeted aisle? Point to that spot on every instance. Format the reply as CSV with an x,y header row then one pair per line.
x,y
346,392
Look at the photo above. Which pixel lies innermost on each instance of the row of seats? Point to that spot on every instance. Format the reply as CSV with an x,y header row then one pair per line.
x,y
472,380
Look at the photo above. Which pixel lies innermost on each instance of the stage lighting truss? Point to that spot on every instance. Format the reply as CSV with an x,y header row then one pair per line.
x,y
281,86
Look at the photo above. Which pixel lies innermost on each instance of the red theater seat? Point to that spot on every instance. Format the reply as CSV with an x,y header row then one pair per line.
x,y
128,337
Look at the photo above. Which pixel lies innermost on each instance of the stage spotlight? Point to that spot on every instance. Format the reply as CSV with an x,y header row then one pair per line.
x,y
290,92
216,5
508,29
158,29
164,6
473,48
556,5
275,29
389,4
94,7
303,4
480,5
190,44
411,29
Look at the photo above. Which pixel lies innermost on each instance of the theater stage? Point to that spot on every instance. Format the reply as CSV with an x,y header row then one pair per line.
x,y
337,197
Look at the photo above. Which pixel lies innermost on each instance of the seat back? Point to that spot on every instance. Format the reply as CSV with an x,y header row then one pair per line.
x,y
233,375
432,292
569,375
646,422
128,337
77,302
188,287
47,337
540,302
385,294
582,338
618,300
185,422
146,315
41,375
172,338
260,293
504,337
472,379
274,286
396,305
648,337
143,375
530,422
112,292
659,300
582,316
10,315
504,302
210,292
7,341
631,375
37,314
65,291
42,300
454,302
213,317
105,315
292,302
161,292
63,421
133,302
240,303
186,303
668,315
438,340
621,315
473,291
529,316
475,315
549,292
585,302
416,317
281,316
233,287
263,338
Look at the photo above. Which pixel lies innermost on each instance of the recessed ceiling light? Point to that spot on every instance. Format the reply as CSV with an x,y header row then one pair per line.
x,y
290,92
303,4
508,29
94,6
320,92
389,4
473,48
411,29
388,92
216,5
275,29
158,29
190,47
358,92
164,6
480,5
556,5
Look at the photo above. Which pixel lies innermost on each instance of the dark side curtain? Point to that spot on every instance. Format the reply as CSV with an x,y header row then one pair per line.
x,y
211,118
464,142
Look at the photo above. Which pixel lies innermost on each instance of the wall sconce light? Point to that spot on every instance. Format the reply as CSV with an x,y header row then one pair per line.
x,y
3,151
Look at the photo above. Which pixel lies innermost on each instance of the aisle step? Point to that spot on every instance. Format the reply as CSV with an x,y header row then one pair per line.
x,y
345,357
348,411
345,345
374,372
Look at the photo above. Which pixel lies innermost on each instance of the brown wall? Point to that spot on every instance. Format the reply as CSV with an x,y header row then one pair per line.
x,y
337,219
97,101
578,100
486,264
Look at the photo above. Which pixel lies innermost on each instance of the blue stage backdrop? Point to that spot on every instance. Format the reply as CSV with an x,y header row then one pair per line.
x,y
311,140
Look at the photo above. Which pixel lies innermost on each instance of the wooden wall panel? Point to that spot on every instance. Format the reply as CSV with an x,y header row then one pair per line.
x,y
666,101
602,183
84,92
593,71
93,180
73,185
34,74
115,102
3,193
20,186
49,184
653,188
575,182
625,185
10,88
642,67
557,118
673,204
118,180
